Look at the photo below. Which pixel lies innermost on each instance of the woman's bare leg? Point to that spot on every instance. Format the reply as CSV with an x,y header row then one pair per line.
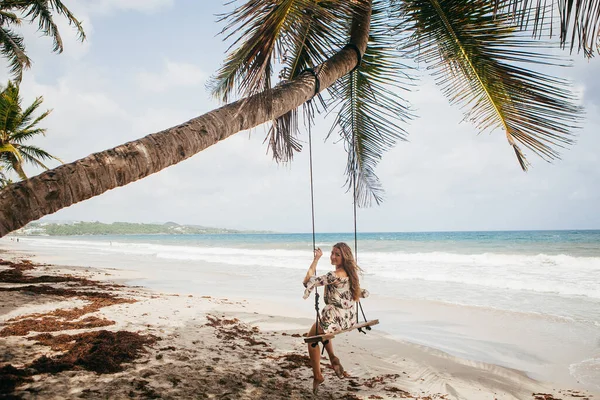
x,y
329,348
314,353
335,362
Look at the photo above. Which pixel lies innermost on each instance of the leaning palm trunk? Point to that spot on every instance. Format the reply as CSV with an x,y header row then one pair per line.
x,y
95,174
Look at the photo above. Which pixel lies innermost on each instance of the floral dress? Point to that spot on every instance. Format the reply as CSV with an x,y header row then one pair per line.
x,y
339,312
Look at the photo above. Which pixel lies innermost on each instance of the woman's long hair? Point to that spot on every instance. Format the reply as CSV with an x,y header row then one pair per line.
x,y
349,265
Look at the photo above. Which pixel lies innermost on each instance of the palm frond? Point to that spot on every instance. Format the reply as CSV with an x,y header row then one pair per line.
x,y
283,137
8,17
481,59
12,45
10,108
262,26
248,69
61,9
24,135
303,45
26,121
12,159
323,29
13,49
579,21
35,155
8,148
370,109
40,10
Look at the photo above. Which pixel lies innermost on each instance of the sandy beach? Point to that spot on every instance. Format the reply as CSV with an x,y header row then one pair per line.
x,y
69,332
75,332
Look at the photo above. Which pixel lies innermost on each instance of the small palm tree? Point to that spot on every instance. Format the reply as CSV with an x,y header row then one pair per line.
x,y
16,127
12,45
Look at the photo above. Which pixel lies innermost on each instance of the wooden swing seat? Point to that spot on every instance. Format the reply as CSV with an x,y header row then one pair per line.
x,y
326,336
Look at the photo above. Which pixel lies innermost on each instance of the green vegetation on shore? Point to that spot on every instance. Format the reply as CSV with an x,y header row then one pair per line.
x,y
119,228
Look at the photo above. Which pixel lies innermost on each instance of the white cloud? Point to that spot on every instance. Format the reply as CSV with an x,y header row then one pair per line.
x,y
84,115
108,6
74,48
174,75
156,119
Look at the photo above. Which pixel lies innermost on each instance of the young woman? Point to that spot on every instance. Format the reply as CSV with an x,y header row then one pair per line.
x,y
342,290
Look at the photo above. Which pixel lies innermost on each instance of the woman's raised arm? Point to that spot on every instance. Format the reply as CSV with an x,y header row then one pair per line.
x,y
313,266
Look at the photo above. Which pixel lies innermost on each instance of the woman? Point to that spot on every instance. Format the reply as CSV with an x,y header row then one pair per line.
x,y
342,290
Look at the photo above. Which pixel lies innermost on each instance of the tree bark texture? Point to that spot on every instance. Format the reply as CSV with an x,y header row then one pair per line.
x,y
97,173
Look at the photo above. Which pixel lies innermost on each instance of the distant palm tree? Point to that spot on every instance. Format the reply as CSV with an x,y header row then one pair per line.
x,y
12,45
483,53
18,126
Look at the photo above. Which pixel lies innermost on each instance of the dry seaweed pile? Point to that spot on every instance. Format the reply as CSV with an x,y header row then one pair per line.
x,y
11,377
15,274
99,351
61,319
294,361
230,330
567,393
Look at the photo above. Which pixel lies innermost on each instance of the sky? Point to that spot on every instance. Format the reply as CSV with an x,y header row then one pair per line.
x,y
144,67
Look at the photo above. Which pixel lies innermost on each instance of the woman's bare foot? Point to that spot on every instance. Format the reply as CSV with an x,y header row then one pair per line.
x,y
337,367
317,380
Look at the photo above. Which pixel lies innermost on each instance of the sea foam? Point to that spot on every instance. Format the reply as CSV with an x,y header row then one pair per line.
x,y
560,274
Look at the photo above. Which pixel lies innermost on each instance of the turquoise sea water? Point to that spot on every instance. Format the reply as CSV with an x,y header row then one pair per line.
x,y
574,243
543,285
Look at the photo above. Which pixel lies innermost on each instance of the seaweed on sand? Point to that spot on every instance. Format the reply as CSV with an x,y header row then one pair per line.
x,y
60,319
99,351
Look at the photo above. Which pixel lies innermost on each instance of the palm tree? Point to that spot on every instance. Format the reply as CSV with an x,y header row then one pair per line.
x,y
11,43
481,52
18,126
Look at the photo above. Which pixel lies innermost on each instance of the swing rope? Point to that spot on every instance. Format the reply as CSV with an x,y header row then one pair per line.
x,y
312,206
312,196
312,199
358,304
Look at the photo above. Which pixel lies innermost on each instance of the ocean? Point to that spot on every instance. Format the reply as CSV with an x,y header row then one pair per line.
x,y
528,300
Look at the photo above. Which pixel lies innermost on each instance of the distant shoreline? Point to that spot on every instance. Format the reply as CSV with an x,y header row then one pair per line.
x,y
85,228
81,228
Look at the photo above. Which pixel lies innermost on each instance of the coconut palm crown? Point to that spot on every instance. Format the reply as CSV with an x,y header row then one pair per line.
x,y
486,56
17,126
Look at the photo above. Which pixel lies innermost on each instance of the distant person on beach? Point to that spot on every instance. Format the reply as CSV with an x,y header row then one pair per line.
x,y
342,290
